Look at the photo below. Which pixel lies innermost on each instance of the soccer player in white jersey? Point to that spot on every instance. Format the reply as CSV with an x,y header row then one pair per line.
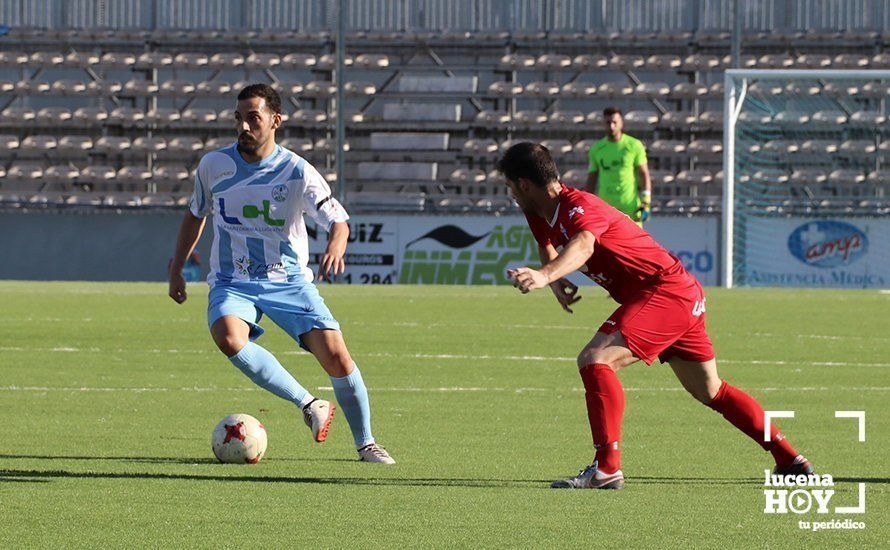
x,y
258,192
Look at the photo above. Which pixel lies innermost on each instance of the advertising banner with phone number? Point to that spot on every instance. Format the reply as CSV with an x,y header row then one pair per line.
x,y
479,249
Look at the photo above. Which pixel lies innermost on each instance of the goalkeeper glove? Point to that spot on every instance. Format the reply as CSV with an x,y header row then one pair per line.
x,y
645,206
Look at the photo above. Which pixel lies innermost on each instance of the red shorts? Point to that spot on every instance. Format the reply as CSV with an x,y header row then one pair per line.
x,y
664,321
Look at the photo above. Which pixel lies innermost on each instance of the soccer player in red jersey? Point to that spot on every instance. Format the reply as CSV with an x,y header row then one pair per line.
x,y
661,313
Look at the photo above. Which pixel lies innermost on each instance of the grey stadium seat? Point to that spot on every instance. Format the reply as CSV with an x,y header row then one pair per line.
x,y
530,118
356,88
677,119
480,147
53,116
117,60
666,148
467,176
551,61
688,90
516,62
213,88
140,87
148,145
74,145
184,146
191,60
9,142
641,120
319,88
18,115
97,174
177,87
308,116
582,148
61,174
652,90
37,144
505,89
541,89
132,175
297,145
492,118
298,61
154,60
111,145
576,177
587,62
578,89
262,61
126,115
566,118
615,90
867,119
164,116
68,87
199,115
558,147
226,60
46,59
371,61
664,62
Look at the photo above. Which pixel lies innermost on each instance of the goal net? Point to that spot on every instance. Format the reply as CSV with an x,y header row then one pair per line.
x,y
805,178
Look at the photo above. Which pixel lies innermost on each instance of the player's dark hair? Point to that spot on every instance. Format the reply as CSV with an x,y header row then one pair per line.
x,y
531,161
273,100
609,111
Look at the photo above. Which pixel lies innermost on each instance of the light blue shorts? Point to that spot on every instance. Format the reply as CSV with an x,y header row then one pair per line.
x,y
296,308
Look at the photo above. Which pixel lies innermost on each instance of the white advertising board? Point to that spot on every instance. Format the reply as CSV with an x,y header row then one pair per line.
x,y
802,252
479,249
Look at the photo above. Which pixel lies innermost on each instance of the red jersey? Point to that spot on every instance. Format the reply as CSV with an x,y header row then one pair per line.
x,y
625,259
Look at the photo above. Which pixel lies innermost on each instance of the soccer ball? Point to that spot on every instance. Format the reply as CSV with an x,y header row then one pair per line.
x,y
239,439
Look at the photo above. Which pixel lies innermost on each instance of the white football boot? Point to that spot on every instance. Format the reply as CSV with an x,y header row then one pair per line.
x,y
318,416
591,478
373,452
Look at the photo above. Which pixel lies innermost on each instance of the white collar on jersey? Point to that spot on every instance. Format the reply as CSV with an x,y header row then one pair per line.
x,y
551,222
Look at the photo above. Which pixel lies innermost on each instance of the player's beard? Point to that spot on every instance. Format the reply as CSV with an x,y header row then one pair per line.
x,y
249,144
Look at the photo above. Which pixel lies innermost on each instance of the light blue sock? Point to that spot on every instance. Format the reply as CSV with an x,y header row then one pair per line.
x,y
353,398
266,372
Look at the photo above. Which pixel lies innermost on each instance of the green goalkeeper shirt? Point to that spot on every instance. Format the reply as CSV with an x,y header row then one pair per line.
x,y
616,163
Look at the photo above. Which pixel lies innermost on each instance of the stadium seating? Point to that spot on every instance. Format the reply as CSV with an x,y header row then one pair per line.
x,y
134,106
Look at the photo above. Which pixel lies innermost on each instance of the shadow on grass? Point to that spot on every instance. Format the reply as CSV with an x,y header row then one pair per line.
x,y
6,474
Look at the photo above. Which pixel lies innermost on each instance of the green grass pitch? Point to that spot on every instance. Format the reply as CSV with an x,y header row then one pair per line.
x,y
109,393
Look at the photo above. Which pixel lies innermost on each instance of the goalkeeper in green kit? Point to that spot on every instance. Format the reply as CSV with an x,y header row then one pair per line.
x,y
618,171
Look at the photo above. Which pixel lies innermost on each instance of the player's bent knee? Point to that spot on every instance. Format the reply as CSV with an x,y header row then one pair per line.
x,y
589,356
229,344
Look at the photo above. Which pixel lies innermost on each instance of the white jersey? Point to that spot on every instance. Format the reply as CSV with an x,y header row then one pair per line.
x,y
259,232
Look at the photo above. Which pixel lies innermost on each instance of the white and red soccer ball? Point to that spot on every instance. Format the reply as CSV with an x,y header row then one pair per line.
x,y
239,439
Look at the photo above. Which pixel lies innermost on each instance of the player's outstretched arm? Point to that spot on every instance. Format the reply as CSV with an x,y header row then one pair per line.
x,y
572,257
333,263
566,291
189,232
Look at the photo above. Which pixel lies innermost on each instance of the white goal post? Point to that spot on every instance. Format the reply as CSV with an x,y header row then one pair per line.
x,y
806,160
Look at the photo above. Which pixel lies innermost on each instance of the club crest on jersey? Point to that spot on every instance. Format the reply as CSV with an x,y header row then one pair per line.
x,y
242,264
576,210
280,192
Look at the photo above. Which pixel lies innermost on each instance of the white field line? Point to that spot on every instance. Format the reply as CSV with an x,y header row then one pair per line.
x,y
451,389
446,356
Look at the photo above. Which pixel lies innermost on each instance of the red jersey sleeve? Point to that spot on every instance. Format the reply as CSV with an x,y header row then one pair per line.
x,y
538,228
585,215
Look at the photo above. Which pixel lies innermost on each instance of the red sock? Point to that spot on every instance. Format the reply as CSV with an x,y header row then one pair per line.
x,y
746,414
605,409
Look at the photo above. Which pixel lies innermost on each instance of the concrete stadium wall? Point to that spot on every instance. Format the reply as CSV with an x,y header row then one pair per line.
x,y
384,249
95,246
